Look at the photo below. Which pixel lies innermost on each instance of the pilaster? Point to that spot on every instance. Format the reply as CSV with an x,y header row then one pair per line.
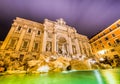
x,y
20,40
70,45
44,40
32,41
54,50
77,47
81,46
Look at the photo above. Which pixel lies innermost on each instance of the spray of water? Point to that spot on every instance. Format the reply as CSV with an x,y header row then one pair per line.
x,y
44,68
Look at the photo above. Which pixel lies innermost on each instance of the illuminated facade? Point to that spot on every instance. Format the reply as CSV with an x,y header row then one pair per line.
x,y
107,42
29,38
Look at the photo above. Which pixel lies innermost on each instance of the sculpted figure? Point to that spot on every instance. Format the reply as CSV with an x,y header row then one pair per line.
x,y
48,47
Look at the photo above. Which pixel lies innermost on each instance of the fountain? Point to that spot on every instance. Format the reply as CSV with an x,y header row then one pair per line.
x,y
44,68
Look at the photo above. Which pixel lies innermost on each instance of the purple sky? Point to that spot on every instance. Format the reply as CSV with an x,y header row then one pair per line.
x,y
87,16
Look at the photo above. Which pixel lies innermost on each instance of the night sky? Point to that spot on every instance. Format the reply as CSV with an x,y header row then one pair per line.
x,y
88,16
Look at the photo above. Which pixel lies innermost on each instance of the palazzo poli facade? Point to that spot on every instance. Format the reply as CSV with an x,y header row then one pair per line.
x,y
107,42
29,38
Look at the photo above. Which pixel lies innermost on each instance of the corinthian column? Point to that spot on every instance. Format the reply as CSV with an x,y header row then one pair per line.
x,y
44,40
86,48
90,49
77,46
70,45
32,41
54,43
20,39
81,46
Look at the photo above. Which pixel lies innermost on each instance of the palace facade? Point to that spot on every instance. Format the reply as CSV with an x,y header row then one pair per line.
x,y
107,42
29,38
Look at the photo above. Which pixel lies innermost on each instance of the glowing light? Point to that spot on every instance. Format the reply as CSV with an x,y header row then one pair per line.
x,y
92,61
102,52
43,68
101,59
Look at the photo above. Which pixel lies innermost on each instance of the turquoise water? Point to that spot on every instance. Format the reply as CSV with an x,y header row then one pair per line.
x,y
73,77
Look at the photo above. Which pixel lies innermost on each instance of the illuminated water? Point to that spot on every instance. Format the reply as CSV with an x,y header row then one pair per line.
x,y
75,77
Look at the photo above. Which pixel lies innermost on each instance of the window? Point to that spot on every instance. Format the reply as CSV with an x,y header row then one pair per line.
x,y
25,44
110,29
29,30
100,41
106,38
36,46
98,36
117,41
112,50
103,46
116,56
109,44
19,28
103,33
7,54
38,33
118,25
34,56
113,35
12,42
95,44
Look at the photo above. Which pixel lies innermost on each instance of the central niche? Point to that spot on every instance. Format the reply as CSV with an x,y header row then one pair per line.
x,y
62,46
